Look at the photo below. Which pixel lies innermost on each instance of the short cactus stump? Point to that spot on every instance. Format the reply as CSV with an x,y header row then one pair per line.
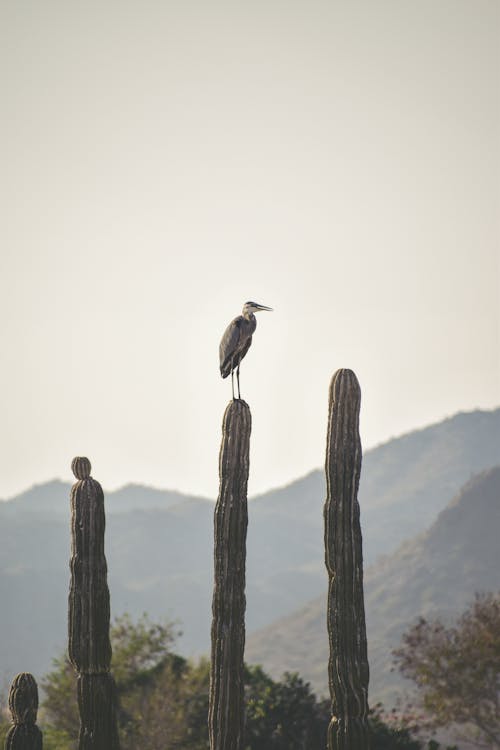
x,y
23,705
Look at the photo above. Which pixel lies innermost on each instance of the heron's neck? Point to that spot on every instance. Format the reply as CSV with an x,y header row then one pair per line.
x,y
249,316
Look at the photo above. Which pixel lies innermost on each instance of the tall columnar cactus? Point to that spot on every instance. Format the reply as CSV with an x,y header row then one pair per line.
x,y
226,710
348,665
88,616
23,705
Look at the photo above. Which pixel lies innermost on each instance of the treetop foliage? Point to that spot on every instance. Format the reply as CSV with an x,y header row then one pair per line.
x,y
457,671
163,701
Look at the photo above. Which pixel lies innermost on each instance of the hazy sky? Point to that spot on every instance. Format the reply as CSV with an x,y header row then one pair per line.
x,y
163,162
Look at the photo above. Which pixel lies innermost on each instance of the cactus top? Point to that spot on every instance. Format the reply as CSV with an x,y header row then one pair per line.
x,y
23,699
81,467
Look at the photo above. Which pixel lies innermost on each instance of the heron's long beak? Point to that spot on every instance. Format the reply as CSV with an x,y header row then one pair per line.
x,y
262,307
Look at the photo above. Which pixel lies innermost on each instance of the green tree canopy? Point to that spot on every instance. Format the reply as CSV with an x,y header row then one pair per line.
x,y
283,715
164,701
142,661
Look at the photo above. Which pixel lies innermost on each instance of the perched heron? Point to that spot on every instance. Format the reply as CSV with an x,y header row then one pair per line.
x,y
236,341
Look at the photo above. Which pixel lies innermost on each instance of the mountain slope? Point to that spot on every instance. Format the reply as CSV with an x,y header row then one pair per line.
x,y
434,575
159,544
404,483
53,497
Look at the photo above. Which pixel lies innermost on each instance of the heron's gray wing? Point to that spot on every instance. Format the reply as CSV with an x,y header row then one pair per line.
x,y
229,345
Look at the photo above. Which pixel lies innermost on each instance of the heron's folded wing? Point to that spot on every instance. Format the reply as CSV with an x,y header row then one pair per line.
x,y
229,345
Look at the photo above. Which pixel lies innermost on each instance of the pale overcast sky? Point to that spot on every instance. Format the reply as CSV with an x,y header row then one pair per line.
x,y
163,162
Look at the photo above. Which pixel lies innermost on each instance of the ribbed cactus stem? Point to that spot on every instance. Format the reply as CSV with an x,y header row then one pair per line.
x,y
226,706
348,665
89,646
23,705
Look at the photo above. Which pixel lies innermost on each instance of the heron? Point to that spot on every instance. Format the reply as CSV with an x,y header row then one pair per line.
x,y
236,341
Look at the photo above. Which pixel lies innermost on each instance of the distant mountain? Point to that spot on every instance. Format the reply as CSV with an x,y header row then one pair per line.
x,y
53,497
404,483
434,575
159,561
159,544
50,497
408,480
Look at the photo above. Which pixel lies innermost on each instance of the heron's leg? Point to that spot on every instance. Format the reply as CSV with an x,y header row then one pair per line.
x,y
232,382
238,380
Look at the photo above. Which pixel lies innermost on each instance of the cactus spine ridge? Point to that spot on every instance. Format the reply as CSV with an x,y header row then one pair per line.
x,y
226,709
23,705
348,669
89,645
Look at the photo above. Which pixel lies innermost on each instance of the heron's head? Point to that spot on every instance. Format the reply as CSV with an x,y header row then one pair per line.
x,y
253,307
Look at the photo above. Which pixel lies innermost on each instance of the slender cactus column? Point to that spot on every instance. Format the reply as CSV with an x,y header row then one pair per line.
x,y
23,705
348,666
226,707
88,616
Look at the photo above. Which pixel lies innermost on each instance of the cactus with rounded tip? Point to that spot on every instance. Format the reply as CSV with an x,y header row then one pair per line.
x,y
89,645
23,705
226,703
348,666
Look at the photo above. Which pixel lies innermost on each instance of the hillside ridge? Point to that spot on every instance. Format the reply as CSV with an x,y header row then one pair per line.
x,y
436,574
160,559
